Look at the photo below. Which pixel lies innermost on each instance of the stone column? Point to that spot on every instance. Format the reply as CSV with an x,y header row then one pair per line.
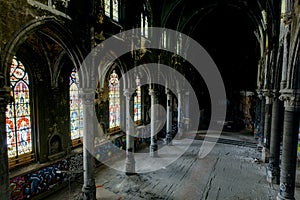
x,y
153,143
267,127
289,147
187,110
257,117
89,188
262,121
273,169
130,161
179,117
4,175
169,134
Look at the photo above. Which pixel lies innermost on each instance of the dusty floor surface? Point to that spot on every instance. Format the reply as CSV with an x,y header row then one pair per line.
x,y
231,171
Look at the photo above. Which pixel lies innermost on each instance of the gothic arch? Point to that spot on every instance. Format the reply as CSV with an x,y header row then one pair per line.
x,y
50,28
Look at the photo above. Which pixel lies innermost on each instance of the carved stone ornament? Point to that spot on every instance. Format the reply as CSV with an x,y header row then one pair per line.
x,y
287,17
291,99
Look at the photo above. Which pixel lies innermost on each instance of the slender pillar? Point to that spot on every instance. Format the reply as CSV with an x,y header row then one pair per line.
x,y
153,143
267,128
179,117
262,121
169,134
130,161
289,147
273,169
89,188
4,175
257,118
187,110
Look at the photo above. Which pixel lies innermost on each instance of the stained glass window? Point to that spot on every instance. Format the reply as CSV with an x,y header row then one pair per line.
x,y
111,9
146,27
137,102
114,101
107,7
115,9
76,107
144,23
179,43
164,39
18,121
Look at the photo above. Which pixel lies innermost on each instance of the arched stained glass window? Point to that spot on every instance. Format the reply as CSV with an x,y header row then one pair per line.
x,y
76,107
137,102
18,121
114,100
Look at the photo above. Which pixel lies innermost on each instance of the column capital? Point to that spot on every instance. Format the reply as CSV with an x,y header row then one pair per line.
x,y
168,91
259,93
128,92
87,95
291,98
287,17
268,94
152,92
275,94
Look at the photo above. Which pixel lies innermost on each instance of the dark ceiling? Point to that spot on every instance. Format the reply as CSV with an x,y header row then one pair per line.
x,y
226,30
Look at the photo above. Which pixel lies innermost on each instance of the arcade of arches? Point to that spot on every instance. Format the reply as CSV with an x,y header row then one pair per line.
x,y
46,98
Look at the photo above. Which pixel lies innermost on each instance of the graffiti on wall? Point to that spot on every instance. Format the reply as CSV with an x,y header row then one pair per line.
x,y
34,183
108,151
31,184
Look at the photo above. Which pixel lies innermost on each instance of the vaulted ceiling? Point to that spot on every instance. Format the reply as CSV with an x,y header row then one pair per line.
x,y
225,28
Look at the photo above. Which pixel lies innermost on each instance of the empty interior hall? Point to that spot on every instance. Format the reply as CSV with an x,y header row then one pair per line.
x,y
145,99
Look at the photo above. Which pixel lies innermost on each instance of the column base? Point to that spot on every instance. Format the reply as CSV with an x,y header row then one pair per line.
x,y
179,134
129,163
265,154
279,197
153,150
168,139
273,175
89,192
